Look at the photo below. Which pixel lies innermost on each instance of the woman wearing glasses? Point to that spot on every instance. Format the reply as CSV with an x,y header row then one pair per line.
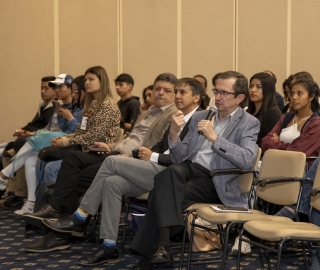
x,y
262,103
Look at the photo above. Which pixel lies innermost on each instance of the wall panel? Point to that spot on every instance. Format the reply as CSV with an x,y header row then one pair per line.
x,y
305,37
26,55
88,36
149,40
145,38
207,38
262,37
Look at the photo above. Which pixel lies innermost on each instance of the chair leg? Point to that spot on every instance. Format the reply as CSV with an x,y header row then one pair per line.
x,y
225,246
191,241
239,249
279,255
123,243
184,238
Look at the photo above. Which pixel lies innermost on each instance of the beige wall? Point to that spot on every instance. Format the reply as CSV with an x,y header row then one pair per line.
x,y
145,38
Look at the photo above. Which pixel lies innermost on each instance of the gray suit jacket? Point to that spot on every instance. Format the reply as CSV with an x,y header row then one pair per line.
x,y
156,130
236,148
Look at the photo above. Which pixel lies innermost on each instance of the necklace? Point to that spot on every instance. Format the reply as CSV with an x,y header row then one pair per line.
x,y
300,121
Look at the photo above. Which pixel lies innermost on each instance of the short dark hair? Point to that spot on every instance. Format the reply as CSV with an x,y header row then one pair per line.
x,y
240,86
195,86
166,77
203,77
48,78
214,78
124,77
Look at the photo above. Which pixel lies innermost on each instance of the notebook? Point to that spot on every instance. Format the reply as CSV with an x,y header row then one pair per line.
x,y
230,209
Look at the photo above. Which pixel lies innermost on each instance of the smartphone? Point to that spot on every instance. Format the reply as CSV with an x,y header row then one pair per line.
x,y
94,148
56,103
234,208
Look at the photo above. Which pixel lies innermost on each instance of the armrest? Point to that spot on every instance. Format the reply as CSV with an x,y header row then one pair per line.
x,y
314,191
311,158
281,179
231,171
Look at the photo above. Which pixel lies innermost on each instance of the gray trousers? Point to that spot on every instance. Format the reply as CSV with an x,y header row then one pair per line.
x,y
116,177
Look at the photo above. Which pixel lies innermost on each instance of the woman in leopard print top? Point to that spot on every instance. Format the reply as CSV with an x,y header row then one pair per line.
x,y
101,116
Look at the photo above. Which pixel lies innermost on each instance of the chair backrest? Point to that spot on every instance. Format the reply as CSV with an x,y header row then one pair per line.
x,y
245,180
143,196
315,200
119,135
281,163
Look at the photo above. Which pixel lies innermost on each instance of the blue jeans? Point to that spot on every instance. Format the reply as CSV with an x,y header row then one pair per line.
x,y
47,172
305,194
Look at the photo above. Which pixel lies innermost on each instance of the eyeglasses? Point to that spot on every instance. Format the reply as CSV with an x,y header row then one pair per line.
x,y
74,91
222,93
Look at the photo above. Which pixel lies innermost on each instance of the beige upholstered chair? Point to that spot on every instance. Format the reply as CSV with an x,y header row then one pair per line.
x,y
278,183
119,135
281,232
245,178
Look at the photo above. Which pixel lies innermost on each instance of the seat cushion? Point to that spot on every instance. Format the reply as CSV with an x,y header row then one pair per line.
x,y
277,230
209,215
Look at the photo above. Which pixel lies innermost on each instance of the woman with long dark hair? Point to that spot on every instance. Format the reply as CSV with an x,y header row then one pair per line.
x,y
262,103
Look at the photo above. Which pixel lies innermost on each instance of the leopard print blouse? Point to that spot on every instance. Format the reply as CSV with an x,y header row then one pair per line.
x,y
102,125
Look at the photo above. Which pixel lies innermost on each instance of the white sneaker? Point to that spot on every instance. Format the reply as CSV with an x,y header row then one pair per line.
x,y
3,183
27,208
245,247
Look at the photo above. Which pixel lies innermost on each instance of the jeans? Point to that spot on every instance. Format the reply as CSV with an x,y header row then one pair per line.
x,y
47,172
305,194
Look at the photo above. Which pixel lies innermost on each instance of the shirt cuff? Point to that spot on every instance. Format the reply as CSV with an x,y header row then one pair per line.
x,y
154,157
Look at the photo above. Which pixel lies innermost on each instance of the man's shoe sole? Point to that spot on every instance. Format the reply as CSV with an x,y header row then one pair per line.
x,y
101,262
73,233
36,221
48,250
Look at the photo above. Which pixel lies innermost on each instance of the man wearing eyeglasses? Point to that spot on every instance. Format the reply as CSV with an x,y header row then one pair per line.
x,y
228,140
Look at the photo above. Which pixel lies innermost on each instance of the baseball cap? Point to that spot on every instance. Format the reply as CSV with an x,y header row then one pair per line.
x,y
62,79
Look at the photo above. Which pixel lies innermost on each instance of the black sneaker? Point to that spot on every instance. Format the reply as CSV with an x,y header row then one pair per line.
x,y
13,201
48,243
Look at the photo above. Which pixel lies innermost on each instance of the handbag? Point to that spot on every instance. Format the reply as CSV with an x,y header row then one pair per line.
x,y
43,138
203,240
53,153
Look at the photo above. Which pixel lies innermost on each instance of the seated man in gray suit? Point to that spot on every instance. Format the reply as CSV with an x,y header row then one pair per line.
x,y
226,141
120,176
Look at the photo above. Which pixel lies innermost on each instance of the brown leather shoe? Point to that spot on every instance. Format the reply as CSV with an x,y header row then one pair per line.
x,y
45,211
66,224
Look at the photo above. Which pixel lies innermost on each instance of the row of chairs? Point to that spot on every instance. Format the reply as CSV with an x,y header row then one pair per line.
x,y
278,182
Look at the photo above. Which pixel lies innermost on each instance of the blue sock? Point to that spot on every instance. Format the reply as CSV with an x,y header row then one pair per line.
x,y
80,215
109,245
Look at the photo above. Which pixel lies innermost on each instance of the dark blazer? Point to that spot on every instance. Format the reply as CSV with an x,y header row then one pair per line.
x,y
163,145
41,119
